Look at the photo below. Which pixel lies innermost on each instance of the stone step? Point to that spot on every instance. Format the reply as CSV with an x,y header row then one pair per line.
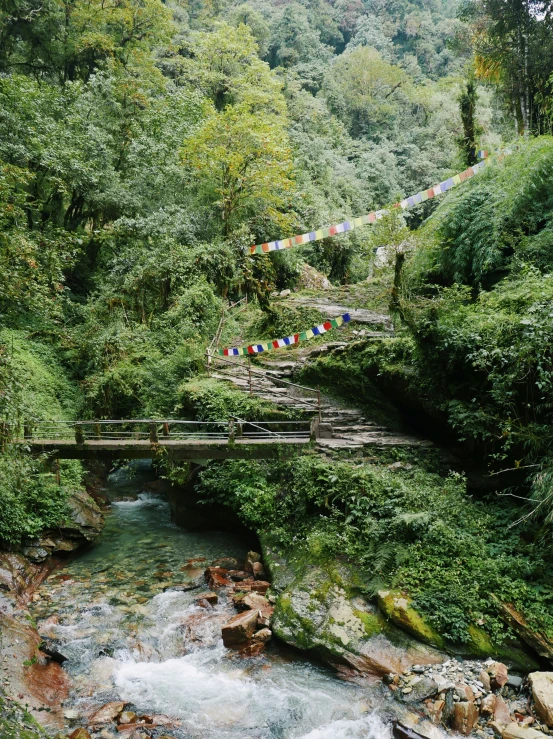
x,y
357,428
381,439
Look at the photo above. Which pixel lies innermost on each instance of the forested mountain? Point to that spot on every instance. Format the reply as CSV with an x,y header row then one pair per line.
x,y
144,146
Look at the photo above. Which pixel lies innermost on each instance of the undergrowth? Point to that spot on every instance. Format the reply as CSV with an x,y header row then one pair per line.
x,y
402,528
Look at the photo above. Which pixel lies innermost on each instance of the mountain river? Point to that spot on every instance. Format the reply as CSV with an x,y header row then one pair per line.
x,y
129,633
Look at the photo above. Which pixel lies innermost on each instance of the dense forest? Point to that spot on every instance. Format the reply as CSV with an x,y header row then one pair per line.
x,y
145,145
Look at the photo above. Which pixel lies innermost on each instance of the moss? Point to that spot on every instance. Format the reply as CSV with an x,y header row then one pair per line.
x,y
398,608
16,722
285,619
372,623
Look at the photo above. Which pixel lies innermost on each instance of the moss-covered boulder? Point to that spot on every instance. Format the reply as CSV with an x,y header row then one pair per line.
x,y
318,613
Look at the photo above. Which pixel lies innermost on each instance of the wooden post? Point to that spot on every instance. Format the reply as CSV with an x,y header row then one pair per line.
x,y
97,432
79,433
153,434
250,372
231,431
27,432
314,429
165,428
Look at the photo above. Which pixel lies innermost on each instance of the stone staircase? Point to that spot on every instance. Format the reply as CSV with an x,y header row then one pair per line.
x,y
340,428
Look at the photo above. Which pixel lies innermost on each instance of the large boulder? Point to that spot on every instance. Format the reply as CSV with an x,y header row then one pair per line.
x,y
316,613
542,692
398,608
537,640
107,713
85,519
83,523
16,573
311,279
27,671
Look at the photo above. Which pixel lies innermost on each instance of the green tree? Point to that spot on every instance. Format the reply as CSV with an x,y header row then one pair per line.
x,y
366,90
514,48
471,130
239,155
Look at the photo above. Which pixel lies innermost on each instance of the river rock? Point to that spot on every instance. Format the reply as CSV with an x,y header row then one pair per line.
x,y
252,649
421,689
80,733
260,586
485,680
487,707
258,571
211,598
514,731
257,602
239,575
498,675
465,716
127,717
435,709
216,577
263,636
107,713
240,629
541,684
227,563
501,713
464,692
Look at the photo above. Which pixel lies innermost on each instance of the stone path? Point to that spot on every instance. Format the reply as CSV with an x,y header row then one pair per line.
x,y
379,321
341,428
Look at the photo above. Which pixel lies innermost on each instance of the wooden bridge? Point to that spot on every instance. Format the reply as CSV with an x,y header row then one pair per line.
x,y
150,438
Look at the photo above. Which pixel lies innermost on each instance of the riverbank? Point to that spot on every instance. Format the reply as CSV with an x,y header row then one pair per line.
x,y
127,616
31,673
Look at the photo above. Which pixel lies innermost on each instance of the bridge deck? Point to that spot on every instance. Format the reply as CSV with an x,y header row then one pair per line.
x,y
179,449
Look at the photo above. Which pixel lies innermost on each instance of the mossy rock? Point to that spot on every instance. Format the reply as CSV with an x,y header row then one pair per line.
x,y
398,608
321,613
514,653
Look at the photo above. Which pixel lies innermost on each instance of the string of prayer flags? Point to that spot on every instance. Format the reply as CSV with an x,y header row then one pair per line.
x,y
287,340
345,226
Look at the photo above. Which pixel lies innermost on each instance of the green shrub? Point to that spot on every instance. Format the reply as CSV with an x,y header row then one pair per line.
x,y
207,399
30,498
480,228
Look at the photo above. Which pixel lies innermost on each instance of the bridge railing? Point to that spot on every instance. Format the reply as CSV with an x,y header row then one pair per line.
x,y
167,430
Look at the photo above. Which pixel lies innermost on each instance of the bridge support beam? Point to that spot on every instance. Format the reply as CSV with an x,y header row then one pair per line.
x,y
143,449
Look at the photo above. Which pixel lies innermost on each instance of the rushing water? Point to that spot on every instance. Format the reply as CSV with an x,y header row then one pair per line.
x,y
129,633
